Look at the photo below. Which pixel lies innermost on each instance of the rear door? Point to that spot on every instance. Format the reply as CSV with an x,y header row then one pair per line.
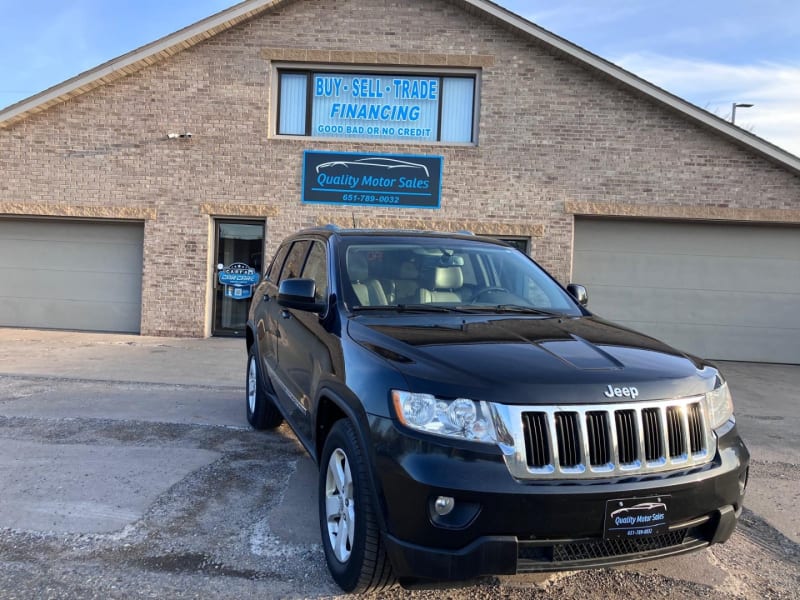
x,y
302,351
263,316
276,340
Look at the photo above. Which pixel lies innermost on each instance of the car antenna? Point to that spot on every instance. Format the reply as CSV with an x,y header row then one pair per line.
x,y
354,220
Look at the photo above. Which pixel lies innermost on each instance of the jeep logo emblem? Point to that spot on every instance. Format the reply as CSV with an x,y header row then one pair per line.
x,y
627,392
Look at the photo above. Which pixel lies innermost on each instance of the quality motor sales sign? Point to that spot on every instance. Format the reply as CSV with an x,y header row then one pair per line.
x,y
387,180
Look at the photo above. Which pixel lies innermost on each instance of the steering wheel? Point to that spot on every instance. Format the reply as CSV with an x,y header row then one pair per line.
x,y
488,290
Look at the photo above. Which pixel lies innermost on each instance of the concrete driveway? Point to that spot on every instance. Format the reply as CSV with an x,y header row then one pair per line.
x,y
127,470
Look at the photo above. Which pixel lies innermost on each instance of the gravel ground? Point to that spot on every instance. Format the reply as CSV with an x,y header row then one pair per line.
x,y
208,536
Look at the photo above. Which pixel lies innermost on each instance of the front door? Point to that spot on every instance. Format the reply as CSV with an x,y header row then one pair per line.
x,y
239,266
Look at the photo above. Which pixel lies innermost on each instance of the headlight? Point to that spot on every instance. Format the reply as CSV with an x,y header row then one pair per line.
x,y
461,418
720,405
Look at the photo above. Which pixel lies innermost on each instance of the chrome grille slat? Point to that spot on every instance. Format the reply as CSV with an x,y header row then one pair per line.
x,y
641,435
602,440
598,438
536,440
567,435
695,429
676,434
626,435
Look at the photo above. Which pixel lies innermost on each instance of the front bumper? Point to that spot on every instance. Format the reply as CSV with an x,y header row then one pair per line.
x,y
502,526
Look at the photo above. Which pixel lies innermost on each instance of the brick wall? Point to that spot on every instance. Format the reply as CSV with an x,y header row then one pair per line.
x,y
554,139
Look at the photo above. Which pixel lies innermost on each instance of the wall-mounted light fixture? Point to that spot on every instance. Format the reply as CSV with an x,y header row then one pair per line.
x,y
179,136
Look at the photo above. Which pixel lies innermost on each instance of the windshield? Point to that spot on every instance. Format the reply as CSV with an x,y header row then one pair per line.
x,y
427,274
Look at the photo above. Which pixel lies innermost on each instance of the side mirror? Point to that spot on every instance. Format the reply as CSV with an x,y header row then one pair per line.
x,y
579,293
299,294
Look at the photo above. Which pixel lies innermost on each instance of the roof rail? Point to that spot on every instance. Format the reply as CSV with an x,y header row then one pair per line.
x,y
331,227
465,232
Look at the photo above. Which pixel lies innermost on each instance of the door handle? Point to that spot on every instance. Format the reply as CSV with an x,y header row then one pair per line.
x,y
266,298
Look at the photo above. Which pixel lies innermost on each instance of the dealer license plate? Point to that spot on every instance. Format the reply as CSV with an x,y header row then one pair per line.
x,y
636,517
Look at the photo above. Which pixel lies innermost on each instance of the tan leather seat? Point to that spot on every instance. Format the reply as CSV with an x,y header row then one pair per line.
x,y
441,284
369,292
407,283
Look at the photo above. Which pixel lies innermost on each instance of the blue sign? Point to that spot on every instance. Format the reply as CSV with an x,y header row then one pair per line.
x,y
238,280
384,180
377,106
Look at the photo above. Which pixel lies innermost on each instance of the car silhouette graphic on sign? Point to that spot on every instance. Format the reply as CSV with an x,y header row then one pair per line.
x,y
375,161
641,507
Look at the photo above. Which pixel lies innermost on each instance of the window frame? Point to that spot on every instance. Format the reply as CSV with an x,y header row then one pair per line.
x,y
310,69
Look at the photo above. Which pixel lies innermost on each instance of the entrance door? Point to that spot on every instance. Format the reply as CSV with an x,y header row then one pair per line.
x,y
240,250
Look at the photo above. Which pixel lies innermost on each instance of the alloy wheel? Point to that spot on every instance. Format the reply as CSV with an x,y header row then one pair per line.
x,y
340,505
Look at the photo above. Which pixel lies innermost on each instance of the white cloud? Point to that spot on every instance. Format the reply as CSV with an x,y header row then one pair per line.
x,y
773,88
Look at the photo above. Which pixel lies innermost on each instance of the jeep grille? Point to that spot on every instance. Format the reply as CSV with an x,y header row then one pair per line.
x,y
606,440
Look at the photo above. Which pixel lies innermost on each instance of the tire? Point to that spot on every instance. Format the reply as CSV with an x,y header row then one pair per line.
x,y
261,410
351,537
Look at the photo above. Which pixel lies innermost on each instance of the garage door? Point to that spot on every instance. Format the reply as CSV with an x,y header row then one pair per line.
x,y
718,291
71,275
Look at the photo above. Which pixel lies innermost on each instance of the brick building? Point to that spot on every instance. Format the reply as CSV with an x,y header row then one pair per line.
x,y
123,188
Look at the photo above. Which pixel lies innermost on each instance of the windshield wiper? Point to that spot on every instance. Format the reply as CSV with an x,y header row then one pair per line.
x,y
429,308
530,310
410,308
464,308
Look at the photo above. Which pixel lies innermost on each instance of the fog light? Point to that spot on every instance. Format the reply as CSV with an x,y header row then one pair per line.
x,y
444,505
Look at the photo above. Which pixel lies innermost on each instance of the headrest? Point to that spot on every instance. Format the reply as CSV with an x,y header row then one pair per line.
x,y
408,270
447,278
357,267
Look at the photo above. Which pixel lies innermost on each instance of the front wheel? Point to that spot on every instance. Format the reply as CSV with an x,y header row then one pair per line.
x,y
261,410
351,538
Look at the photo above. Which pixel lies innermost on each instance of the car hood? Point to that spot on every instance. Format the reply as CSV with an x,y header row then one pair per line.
x,y
523,359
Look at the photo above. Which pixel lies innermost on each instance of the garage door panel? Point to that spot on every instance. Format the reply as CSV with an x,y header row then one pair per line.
x,y
71,231
695,272
716,290
62,314
69,256
691,238
704,340
65,274
73,287
693,307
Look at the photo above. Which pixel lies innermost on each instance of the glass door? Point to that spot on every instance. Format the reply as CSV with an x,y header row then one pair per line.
x,y
240,250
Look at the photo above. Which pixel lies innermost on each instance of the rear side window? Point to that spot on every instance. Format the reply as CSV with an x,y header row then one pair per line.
x,y
277,262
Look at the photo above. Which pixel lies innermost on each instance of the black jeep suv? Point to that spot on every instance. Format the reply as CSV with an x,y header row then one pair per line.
x,y
469,416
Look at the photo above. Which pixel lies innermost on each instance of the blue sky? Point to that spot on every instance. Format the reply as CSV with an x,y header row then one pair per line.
x,y
709,52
